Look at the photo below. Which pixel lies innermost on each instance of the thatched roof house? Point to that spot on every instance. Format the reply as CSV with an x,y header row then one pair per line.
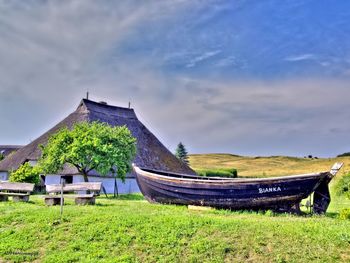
x,y
8,149
151,152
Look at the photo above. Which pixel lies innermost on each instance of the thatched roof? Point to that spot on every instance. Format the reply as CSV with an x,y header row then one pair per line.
x,y
151,153
7,149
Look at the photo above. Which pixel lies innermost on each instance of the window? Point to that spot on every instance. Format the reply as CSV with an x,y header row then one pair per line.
x,y
68,179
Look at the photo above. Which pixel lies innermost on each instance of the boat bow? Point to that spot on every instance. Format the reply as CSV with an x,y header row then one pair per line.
x,y
322,197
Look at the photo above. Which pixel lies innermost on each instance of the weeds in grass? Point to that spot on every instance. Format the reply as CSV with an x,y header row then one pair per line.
x,y
345,214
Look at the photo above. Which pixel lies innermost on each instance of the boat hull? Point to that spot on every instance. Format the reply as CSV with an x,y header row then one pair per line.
x,y
279,194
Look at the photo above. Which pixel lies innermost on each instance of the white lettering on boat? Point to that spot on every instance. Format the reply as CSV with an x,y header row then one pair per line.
x,y
269,190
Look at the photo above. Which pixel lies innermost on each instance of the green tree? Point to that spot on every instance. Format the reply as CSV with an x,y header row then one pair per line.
x,y
181,153
25,174
90,146
2,156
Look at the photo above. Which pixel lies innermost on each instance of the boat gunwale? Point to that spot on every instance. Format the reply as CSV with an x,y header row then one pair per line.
x,y
143,172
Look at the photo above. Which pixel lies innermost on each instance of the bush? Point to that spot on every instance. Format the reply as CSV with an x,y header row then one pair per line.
x,y
344,213
344,154
231,173
343,186
25,174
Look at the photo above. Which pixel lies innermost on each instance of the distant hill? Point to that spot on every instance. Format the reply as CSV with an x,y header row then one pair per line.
x,y
265,166
344,154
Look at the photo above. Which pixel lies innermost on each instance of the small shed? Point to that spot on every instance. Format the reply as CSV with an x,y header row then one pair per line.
x,y
6,150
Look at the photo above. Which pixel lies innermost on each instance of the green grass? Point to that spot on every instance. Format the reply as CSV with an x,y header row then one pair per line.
x,y
129,229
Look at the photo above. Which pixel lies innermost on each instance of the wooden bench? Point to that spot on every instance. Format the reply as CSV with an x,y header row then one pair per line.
x,y
54,193
20,192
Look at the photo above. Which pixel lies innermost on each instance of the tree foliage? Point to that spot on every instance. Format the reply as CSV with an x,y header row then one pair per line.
x,y
181,153
2,156
25,174
90,146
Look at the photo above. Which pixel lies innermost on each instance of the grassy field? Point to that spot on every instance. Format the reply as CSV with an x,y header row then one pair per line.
x,y
129,229
132,230
266,166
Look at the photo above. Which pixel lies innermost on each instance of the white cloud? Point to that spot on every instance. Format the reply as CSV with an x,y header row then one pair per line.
x,y
53,51
58,44
202,57
251,117
301,57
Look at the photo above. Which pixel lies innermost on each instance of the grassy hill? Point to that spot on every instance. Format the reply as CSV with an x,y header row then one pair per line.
x,y
266,166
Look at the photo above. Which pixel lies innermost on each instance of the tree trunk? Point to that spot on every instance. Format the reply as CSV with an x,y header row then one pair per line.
x,y
86,179
115,187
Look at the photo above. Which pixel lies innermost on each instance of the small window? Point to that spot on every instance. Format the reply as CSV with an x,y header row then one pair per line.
x,y
68,179
42,179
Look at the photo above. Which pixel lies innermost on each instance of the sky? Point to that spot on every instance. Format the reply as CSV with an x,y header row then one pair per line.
x,y
245,77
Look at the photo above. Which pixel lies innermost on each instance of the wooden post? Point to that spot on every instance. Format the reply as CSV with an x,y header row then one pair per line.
x,y
62,184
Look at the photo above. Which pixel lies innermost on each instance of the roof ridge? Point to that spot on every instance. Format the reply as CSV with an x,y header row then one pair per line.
x,y
103,104
96,108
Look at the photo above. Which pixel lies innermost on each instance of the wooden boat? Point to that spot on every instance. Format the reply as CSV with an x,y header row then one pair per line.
x,y
282,194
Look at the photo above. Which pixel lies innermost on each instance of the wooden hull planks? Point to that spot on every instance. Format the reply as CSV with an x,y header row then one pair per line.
x,y
279,193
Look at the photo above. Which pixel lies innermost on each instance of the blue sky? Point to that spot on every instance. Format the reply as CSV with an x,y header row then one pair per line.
x,y
245,77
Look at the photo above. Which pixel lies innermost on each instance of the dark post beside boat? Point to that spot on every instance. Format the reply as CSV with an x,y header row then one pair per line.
x,y
281,194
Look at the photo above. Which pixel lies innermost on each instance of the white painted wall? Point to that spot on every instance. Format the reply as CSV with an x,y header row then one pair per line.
x,y
4,176
52,179
128,187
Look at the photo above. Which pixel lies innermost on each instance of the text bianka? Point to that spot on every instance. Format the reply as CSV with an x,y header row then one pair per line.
x,y
269,190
